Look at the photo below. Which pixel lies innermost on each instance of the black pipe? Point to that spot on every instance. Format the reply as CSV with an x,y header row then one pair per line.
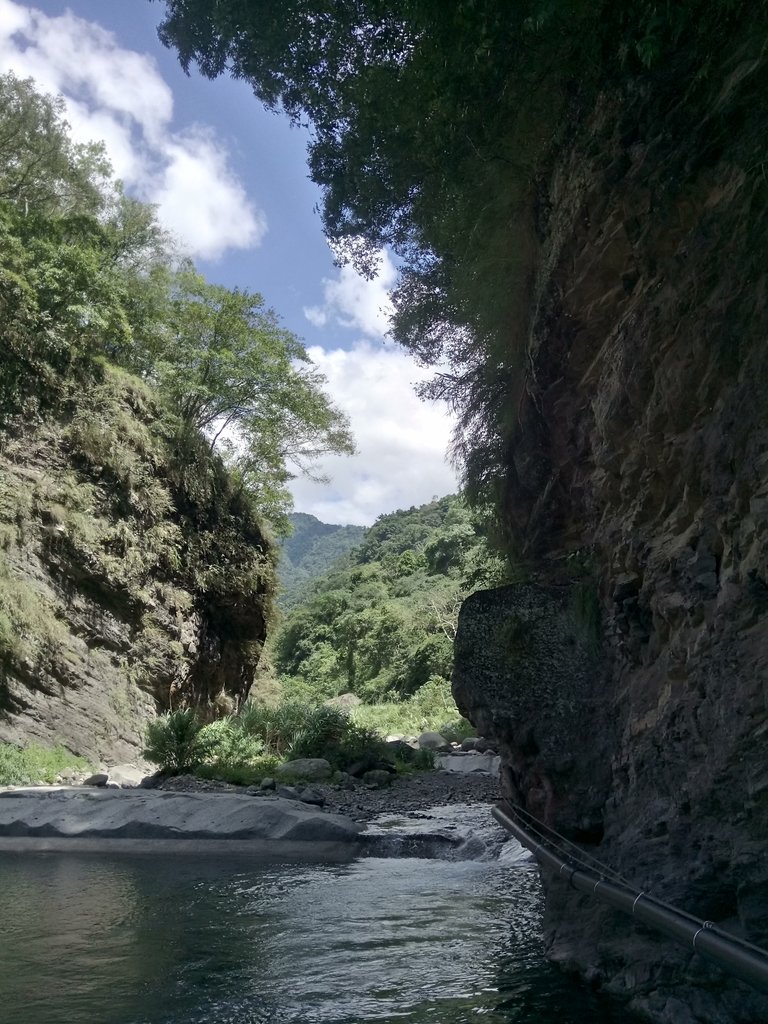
x,y
743,960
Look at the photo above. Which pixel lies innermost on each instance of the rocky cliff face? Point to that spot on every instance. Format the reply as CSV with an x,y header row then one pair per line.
x,y
639,470
133,576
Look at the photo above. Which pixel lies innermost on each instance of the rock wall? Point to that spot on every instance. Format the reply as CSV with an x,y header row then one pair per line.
x,y
133,575
638,471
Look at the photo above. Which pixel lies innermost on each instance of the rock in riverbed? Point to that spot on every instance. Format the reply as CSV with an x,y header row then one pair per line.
x,y
264,824
311,768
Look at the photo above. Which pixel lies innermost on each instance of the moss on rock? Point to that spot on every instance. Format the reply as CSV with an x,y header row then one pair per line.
x,y
135,573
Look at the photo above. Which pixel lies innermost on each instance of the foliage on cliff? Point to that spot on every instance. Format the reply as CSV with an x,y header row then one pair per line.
x,y
434,127
130,556
383,622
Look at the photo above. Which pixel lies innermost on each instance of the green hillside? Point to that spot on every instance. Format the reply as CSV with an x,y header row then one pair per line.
x,y
382,624
310,551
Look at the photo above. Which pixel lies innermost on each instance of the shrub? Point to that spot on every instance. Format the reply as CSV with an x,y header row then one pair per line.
x,y
293,729
247,747
228,745
276,725
430,707
421,761
456,729
434,699
330,733
424,760
174,742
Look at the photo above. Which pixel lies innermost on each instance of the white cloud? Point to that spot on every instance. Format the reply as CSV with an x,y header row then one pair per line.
x,y
316,315
119,96
202,200
353,301
401,439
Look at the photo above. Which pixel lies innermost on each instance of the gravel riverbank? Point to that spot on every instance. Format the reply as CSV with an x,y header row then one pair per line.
x,y
406,794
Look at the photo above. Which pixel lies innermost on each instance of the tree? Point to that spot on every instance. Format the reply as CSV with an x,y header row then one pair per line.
x,y
87,274
42,171
392,91
60,304
74,256
428,121
233,372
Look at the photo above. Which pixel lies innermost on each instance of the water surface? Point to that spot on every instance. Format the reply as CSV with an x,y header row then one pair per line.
x,y
138,940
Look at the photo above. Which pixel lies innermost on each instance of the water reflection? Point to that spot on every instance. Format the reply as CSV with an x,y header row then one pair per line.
x,y
139,941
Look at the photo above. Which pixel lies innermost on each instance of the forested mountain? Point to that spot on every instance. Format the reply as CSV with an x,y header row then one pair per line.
x,y
383,622
310,550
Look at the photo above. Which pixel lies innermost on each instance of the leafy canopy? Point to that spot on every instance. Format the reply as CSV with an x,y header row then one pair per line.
x,y
42,171
234,373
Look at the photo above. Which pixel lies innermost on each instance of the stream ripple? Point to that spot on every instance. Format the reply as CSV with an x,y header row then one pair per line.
x,y
141,940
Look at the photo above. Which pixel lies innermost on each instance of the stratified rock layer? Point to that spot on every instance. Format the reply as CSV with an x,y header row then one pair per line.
x,y
639,467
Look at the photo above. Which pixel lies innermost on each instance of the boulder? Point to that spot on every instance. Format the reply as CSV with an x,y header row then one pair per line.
x,y
483,746
400,749
61,818
433,741
366,763
287,792
99,779
377,778
311,795
315,768
125,776
470,743
266,784
469,761
345,701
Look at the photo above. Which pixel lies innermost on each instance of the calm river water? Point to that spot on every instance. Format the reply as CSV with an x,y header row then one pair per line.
x,y
84,940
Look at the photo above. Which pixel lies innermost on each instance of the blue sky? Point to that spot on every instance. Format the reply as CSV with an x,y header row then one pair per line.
x,y
230,180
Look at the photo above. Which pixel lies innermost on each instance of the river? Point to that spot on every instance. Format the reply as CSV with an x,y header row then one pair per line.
x,y
141,940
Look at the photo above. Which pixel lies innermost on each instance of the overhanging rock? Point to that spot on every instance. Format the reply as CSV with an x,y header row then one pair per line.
x,y
528,673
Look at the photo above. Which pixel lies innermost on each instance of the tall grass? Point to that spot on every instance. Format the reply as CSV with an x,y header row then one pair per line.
x,y
22,766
